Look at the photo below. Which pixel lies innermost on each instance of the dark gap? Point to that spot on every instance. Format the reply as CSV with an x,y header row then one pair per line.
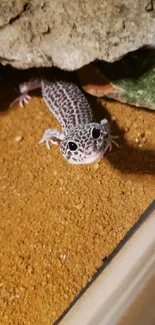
x,y
12,20
132,65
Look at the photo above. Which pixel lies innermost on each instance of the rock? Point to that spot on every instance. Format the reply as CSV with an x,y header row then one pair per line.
x,y
138,92
133,85
70,34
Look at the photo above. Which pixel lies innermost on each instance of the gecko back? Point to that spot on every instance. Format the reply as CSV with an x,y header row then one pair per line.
x,y
65,99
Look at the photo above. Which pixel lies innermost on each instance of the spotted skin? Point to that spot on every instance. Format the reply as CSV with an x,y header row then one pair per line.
x,y
67,103
83,140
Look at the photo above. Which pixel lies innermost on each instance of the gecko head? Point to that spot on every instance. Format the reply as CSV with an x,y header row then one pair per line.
x,y
86,143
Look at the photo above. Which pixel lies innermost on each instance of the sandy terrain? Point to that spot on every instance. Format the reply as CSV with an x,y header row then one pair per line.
x,y
58,221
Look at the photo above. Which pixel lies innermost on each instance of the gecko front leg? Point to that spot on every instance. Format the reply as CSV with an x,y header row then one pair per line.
x,y
24,88
51,136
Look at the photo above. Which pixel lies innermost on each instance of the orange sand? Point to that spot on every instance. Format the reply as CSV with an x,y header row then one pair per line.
x,y
58,221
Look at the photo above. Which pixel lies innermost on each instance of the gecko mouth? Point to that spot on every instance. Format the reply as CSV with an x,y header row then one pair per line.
x,y
93,157
88,160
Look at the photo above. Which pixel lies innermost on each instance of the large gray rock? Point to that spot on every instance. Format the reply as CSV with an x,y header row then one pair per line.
x,y
69,34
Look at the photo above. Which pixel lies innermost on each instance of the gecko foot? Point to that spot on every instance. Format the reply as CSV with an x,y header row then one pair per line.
x,y
22,99
51,136
24,88
112,141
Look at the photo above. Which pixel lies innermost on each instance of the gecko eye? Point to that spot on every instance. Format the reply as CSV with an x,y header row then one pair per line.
x,y
72,146
96,133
